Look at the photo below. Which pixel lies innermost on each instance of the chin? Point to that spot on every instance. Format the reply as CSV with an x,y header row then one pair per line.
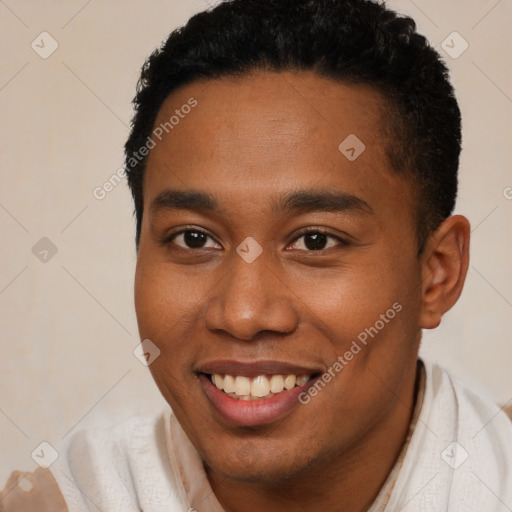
x,y
247,462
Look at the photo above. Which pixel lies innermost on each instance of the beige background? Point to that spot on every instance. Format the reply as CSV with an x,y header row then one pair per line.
x,y
68,327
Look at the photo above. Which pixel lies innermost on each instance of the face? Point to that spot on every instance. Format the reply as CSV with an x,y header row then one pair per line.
x,y
267,255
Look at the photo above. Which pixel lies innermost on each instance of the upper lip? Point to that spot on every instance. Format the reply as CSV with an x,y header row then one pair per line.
x,y
255,368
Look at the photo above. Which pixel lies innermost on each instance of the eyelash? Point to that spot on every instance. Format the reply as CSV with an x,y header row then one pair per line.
x,y
310,231
313,231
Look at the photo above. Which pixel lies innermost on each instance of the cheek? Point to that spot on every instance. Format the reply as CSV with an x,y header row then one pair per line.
x,y
168,305
149,305
163,297
351,298
382,334
370,314
164,310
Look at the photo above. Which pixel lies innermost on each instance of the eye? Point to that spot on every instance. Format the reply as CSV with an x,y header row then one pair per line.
x,y
316,241
193,239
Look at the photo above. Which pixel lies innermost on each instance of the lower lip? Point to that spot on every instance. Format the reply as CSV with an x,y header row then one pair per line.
x,y
250,413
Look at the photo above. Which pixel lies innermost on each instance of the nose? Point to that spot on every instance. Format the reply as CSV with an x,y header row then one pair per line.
x,y
249,300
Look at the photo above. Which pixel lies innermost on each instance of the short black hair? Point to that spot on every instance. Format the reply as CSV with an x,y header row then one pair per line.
x,y
350,41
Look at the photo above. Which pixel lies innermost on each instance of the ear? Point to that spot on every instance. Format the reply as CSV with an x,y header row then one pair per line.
x,y
444,266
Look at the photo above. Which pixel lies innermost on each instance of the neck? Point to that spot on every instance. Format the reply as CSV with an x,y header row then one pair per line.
x,y
350,480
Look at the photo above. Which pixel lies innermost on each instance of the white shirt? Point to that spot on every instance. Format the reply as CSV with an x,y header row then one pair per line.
x,y
457,458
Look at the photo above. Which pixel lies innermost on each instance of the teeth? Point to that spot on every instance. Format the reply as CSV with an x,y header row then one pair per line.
x,y
289,382
218,380
242,386
302,379
229,384
276,383
259,387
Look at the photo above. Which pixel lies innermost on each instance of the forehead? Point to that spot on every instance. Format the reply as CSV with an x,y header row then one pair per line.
x,y
266,131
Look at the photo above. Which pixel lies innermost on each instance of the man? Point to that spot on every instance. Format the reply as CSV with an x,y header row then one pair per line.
x,y
294,170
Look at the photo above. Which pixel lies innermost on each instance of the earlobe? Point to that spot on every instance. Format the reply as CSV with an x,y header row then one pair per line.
x,y
444,267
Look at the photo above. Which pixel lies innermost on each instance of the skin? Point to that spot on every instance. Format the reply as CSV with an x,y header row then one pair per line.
x,y
250,141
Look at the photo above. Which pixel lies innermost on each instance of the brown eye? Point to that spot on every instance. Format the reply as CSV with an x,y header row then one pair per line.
x,y
193,239
316,241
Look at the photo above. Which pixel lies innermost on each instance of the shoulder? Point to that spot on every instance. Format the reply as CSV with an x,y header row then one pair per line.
x,y
469,400
461,447
458,413
107,446
122,466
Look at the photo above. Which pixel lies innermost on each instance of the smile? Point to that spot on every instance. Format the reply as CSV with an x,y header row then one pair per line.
x,y
260,387
250,394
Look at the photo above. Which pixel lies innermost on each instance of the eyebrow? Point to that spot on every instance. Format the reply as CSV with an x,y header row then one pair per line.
x,y
300,201
306,201
171,199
